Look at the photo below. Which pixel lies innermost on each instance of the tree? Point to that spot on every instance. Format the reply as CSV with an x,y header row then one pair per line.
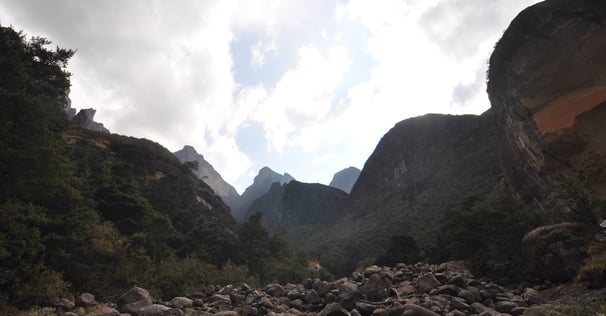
x,y
33,94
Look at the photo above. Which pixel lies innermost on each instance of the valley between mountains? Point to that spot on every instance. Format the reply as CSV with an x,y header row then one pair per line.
x,y
502,213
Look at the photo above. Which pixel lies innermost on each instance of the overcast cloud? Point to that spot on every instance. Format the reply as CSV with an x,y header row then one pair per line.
x,y
304,87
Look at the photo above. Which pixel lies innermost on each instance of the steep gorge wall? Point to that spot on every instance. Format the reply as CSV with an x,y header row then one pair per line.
x,y
547,85
428,154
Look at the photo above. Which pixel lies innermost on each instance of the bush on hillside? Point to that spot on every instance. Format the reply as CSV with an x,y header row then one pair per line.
x,y
487,233
401,249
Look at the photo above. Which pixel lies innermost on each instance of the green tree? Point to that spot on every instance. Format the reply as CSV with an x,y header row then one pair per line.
x,y
486,232
401,249
33,93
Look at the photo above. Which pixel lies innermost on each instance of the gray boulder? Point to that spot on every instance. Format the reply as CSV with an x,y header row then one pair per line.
x,y
556,252
181,302
427,282
377,288
134,300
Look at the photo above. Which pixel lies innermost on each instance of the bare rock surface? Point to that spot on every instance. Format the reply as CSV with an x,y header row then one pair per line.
x,y
547,84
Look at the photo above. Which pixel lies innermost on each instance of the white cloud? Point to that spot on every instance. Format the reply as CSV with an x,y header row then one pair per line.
x,y
165,70
302,97
225,156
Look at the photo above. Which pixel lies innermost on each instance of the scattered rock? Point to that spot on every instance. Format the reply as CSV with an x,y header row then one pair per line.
x,y
64,304
427,282
85,300
275,290
416,310
181,302
377,288
134,295
420,289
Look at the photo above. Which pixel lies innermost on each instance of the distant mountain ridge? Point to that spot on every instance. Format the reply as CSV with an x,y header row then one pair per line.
x,y
286,206
345,179
239,204
261,185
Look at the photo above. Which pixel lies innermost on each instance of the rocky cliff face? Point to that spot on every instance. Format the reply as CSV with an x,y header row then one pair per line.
x,y
429,153
261,184
86,119
300,204
345,179
208,174
547,85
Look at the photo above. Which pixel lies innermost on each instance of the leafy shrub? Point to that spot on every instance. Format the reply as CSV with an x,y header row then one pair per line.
x,y
41,287
401,249
487,233
579,204
591,308
594,272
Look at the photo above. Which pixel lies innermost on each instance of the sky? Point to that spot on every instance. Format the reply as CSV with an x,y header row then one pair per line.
x,y
307,87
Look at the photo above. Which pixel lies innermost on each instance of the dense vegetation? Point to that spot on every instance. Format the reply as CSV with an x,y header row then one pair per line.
x,y
89,211
487,232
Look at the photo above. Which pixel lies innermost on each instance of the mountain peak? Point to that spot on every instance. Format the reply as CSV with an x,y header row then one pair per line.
x,y
261,185
207,173
345,179
189,149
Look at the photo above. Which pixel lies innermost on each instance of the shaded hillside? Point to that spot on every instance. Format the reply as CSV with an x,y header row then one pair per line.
x,y
430,153
209,175
345,179
261,184
126,170
300,204
422,168
84,210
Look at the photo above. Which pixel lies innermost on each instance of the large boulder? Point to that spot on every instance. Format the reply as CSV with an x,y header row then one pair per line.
x,y
377,288
556,252
134,301
547,85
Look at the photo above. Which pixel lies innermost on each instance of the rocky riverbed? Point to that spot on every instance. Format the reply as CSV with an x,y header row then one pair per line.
x,y
421,289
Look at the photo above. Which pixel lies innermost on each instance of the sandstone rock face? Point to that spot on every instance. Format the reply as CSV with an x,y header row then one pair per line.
x,y
429,153
208,174
556,252
547,84
345,179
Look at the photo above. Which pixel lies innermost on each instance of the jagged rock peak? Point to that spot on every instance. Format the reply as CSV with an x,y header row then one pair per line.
x,y
207,173
86,119
345,179
261,185
267,174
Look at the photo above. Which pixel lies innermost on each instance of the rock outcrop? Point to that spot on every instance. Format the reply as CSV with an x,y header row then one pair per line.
x,y
401,290
547,85
300,204
261,184
86,119
429,153
345,179
209,175
556,252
